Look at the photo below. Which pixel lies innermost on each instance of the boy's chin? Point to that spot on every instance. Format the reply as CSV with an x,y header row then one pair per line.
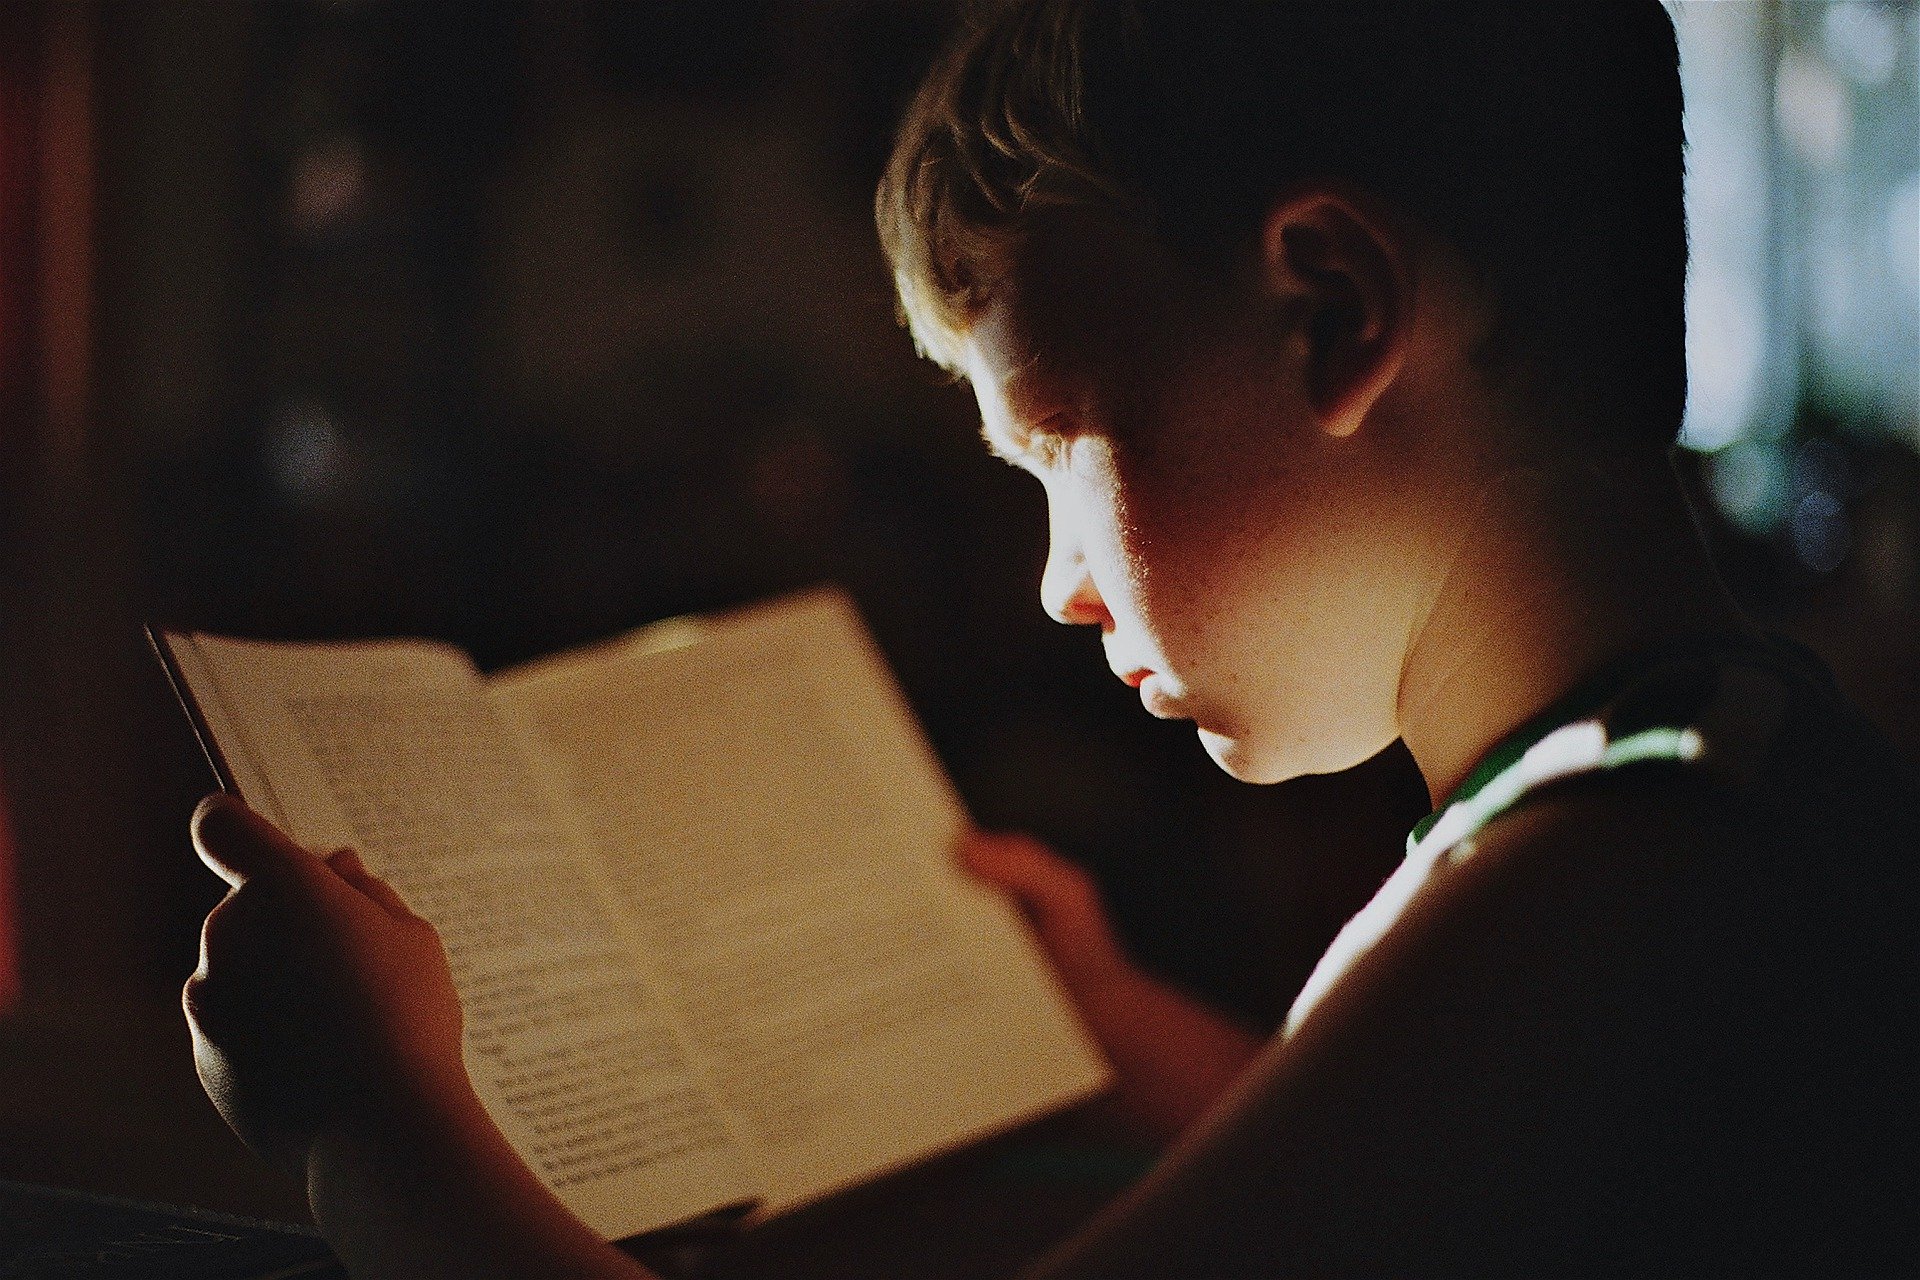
x,y
1251,758
1243,759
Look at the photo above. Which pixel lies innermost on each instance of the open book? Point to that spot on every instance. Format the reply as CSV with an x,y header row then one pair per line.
x,y
696,886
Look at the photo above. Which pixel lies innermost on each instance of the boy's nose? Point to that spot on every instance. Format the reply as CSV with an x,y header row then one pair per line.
x,y
1067,592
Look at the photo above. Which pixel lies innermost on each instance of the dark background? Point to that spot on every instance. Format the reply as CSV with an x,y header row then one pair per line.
x,y
519,324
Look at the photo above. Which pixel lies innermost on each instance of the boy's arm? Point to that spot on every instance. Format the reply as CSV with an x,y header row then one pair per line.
x,y
327,1032
448,1198
1479,1093
1173,1057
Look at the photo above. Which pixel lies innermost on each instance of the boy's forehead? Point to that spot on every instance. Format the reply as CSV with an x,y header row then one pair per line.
x,y
1003,365
1077,266
1082,288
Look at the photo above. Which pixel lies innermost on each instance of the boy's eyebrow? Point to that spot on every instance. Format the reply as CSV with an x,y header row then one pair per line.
x,y
1024,408
1018,389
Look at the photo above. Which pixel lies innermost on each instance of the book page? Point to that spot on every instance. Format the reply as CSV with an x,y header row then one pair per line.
x,y
394,749
781,836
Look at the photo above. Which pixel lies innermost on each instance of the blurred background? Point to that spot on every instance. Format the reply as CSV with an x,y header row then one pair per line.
x,y
519,323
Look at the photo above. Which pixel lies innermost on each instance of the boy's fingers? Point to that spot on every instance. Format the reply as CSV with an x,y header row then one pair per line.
x,y
347,865
1056,893
1058,897
237,844
346,861
1026,869
991,858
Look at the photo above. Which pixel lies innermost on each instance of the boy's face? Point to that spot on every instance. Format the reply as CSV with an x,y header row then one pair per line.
x,y
1244,567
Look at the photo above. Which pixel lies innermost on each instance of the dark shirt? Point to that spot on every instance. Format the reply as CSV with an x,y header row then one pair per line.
x,y
1653,1019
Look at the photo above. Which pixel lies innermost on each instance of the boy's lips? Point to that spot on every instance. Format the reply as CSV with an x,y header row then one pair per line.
x,y
1160,704
1154,696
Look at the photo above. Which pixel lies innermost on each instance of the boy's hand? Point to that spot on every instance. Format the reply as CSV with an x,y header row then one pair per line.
x,y
1172,1056
1059,900
322,1003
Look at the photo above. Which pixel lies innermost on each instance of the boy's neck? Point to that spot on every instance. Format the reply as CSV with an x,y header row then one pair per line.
x,y
1554,571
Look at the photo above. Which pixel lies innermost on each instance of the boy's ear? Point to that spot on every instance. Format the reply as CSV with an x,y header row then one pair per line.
x,y
1346,277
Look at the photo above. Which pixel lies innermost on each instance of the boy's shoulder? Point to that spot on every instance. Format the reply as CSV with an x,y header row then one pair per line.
x,y
1657,993
1782,780
1764,881
1650,1023
1773,823
1789,823
1726,932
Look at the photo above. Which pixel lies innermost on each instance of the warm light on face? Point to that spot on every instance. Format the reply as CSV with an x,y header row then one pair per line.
x,y
1231,555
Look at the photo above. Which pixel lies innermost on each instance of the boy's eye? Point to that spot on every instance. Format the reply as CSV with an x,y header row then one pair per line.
x,y
1047,448
1034,443
1048,440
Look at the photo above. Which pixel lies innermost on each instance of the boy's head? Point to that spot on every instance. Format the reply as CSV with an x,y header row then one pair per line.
x,y
1543,142
1246,286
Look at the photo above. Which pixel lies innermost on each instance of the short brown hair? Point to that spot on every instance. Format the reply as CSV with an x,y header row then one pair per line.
x,y
1544,142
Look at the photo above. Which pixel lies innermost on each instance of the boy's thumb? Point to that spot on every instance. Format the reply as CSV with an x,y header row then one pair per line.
x,y
237,844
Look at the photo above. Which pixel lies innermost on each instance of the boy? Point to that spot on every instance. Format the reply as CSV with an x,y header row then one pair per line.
x,y
1346,342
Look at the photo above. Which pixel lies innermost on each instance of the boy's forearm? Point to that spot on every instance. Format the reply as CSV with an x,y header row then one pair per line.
x,y
1175,1055
446,1198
